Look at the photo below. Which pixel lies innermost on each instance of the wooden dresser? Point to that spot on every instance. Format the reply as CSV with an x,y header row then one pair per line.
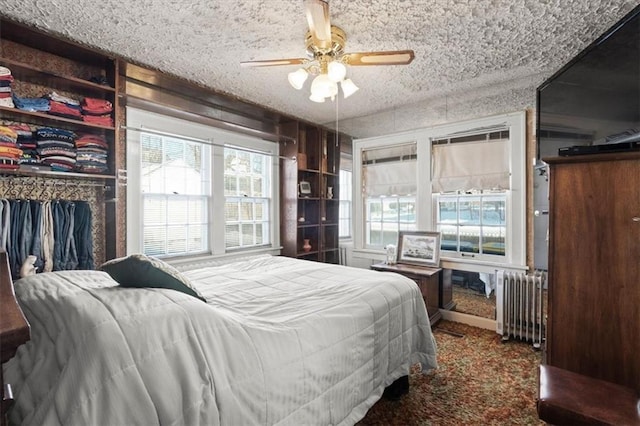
x,y
593,324
591,368
14,329
428,279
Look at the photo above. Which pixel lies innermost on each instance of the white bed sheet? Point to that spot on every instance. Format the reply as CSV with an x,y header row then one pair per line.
x,y
279,341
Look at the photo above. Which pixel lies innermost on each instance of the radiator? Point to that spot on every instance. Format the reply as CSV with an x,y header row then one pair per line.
x,y
343,255
519,306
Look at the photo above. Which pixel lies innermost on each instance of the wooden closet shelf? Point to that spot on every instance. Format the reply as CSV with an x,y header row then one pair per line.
x,y
23,71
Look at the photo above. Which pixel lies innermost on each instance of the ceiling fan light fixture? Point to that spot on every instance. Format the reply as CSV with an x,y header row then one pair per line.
x,y
316,98
322,86
348,87
336,71
297,78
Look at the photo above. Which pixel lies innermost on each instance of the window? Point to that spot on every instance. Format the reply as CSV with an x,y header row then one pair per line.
x,y
389,185
471,185
345,203
247,198
385,216
175,195
473,223
466,180
193,189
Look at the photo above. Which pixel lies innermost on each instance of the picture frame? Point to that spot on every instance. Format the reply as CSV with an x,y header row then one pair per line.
x,y
419,248
304,188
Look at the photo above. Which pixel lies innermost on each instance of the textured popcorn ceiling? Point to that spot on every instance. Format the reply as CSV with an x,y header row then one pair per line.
x,y
473,57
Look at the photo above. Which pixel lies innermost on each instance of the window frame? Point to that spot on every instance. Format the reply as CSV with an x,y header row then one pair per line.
x,y
426,209
346,204
217,138
243,198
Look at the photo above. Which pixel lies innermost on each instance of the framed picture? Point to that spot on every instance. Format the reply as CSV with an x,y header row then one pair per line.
x,y
305,188
419,248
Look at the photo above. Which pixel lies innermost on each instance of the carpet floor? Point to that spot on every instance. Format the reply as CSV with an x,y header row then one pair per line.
x,y
480,381
472,302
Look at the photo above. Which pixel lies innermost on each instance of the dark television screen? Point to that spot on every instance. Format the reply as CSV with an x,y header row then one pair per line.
x,y
595,98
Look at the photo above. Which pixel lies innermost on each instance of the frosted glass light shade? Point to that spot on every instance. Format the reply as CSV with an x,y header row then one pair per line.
x,y
323,87
316,98
348,87
336,71
297,78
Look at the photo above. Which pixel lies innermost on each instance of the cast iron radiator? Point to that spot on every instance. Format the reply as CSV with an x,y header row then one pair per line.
x,y
519,306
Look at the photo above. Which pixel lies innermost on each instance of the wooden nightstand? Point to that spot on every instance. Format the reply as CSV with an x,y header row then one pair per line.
x,y
14,329
428,279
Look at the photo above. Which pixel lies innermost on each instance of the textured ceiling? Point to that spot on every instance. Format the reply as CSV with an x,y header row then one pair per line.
x,y
484,54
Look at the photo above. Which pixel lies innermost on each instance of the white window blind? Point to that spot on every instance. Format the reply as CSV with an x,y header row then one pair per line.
x,y
389,171
471,161
175,195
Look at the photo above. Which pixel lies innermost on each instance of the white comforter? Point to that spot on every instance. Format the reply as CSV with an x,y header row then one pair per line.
x,y
280,341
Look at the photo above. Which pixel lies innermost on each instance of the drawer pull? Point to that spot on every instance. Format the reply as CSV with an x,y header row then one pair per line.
x,y
636,219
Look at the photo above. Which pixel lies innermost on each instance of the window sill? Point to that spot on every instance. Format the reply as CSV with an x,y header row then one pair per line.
x,y
195,262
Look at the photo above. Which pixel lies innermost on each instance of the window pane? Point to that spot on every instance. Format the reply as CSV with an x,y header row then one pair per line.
x,y
154,240
177,210
469,212
231,211
244,185
175,195
197,211
246,211
257,187
230,185
247,234
176,239
247,191
155,210
473,223
261,210
259,233
386,216
232,236
197,237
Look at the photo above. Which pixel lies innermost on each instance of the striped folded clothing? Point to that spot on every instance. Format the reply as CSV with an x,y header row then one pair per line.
x,y
62,99
53,133
56,151
102,120
7,163
91,140
7,134
65,161
11,152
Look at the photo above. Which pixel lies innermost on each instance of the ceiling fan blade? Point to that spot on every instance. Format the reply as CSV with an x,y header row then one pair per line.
x,y
391,57
274,62
317,12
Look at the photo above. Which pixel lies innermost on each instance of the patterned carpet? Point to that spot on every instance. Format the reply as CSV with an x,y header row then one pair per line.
x,y
480,381
472,302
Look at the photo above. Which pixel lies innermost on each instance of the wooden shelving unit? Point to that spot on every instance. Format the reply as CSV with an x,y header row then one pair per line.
x,y
312,216
41,64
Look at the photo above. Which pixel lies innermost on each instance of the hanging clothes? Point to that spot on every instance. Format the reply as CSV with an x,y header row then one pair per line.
x,y
57,233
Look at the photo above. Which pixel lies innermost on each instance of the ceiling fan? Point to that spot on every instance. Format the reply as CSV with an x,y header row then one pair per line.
x,y
326,57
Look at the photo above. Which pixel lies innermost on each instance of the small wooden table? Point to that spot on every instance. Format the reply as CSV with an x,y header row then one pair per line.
x,y
429,281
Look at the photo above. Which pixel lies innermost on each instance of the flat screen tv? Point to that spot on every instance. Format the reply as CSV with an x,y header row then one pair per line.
x,y
594,100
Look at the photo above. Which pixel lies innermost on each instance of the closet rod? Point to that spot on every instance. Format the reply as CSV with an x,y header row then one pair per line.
x,y
204,141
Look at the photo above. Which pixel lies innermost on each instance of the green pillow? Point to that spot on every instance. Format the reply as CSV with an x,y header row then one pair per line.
x,y
139,270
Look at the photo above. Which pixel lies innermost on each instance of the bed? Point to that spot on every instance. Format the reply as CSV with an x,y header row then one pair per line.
x,y
278,341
